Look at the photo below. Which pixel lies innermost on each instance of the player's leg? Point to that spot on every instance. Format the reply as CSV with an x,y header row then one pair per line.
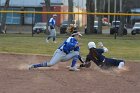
x,y
118,63
69,56
74,56
51,34
47,39
73,66
54,35
55,59
115,62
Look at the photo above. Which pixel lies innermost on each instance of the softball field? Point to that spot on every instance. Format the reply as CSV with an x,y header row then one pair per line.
x,y
16,78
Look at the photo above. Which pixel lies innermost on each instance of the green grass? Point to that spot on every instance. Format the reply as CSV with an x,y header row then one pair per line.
x,y
126,47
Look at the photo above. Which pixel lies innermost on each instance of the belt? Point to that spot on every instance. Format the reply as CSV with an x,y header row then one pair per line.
x,y
63,51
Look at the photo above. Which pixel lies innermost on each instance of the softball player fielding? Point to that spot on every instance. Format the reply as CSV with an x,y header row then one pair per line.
x,y
69,49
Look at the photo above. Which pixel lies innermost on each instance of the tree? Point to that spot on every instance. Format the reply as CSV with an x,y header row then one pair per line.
x,y
125,9
70,9
48,7
100,10
3,23
90,18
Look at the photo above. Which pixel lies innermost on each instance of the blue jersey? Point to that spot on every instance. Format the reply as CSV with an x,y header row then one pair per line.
x,y
52,22
69,45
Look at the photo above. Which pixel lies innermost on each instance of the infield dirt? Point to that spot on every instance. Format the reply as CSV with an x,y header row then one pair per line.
x,y
16,78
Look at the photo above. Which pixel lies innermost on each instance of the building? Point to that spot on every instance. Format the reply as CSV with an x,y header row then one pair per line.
x,y
38,5
22,5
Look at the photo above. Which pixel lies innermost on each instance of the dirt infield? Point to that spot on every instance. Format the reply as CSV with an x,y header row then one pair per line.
x,y
16,78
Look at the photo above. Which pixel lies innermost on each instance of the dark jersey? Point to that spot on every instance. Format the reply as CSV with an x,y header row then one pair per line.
x,y
96,55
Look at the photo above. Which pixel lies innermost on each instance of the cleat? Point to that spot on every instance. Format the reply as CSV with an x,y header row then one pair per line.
x,y
47,41
74,69
31,67
76,66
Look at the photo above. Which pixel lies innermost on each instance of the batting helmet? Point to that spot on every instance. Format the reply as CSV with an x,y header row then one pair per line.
x,y
91,45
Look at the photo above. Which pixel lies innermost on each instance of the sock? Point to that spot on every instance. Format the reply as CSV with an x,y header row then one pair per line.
x,y
44,64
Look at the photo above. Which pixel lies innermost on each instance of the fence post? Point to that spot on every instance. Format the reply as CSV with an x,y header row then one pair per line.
x,y
32,25
115,36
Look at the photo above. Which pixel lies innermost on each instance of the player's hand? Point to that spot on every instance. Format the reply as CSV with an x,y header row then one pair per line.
x,y
86,64
100,44
79,44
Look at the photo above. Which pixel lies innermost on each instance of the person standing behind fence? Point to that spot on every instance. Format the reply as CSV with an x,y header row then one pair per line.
x,y
52,29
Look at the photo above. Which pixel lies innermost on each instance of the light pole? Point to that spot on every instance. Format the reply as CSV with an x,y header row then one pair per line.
x,y
95,8
120,5
114,8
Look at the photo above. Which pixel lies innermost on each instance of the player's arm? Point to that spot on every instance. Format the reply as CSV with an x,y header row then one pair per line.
x,y
81,59
50,23
86,63
100,44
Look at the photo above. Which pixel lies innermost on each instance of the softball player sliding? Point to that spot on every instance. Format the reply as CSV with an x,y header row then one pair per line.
x,y
69,49
96,55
